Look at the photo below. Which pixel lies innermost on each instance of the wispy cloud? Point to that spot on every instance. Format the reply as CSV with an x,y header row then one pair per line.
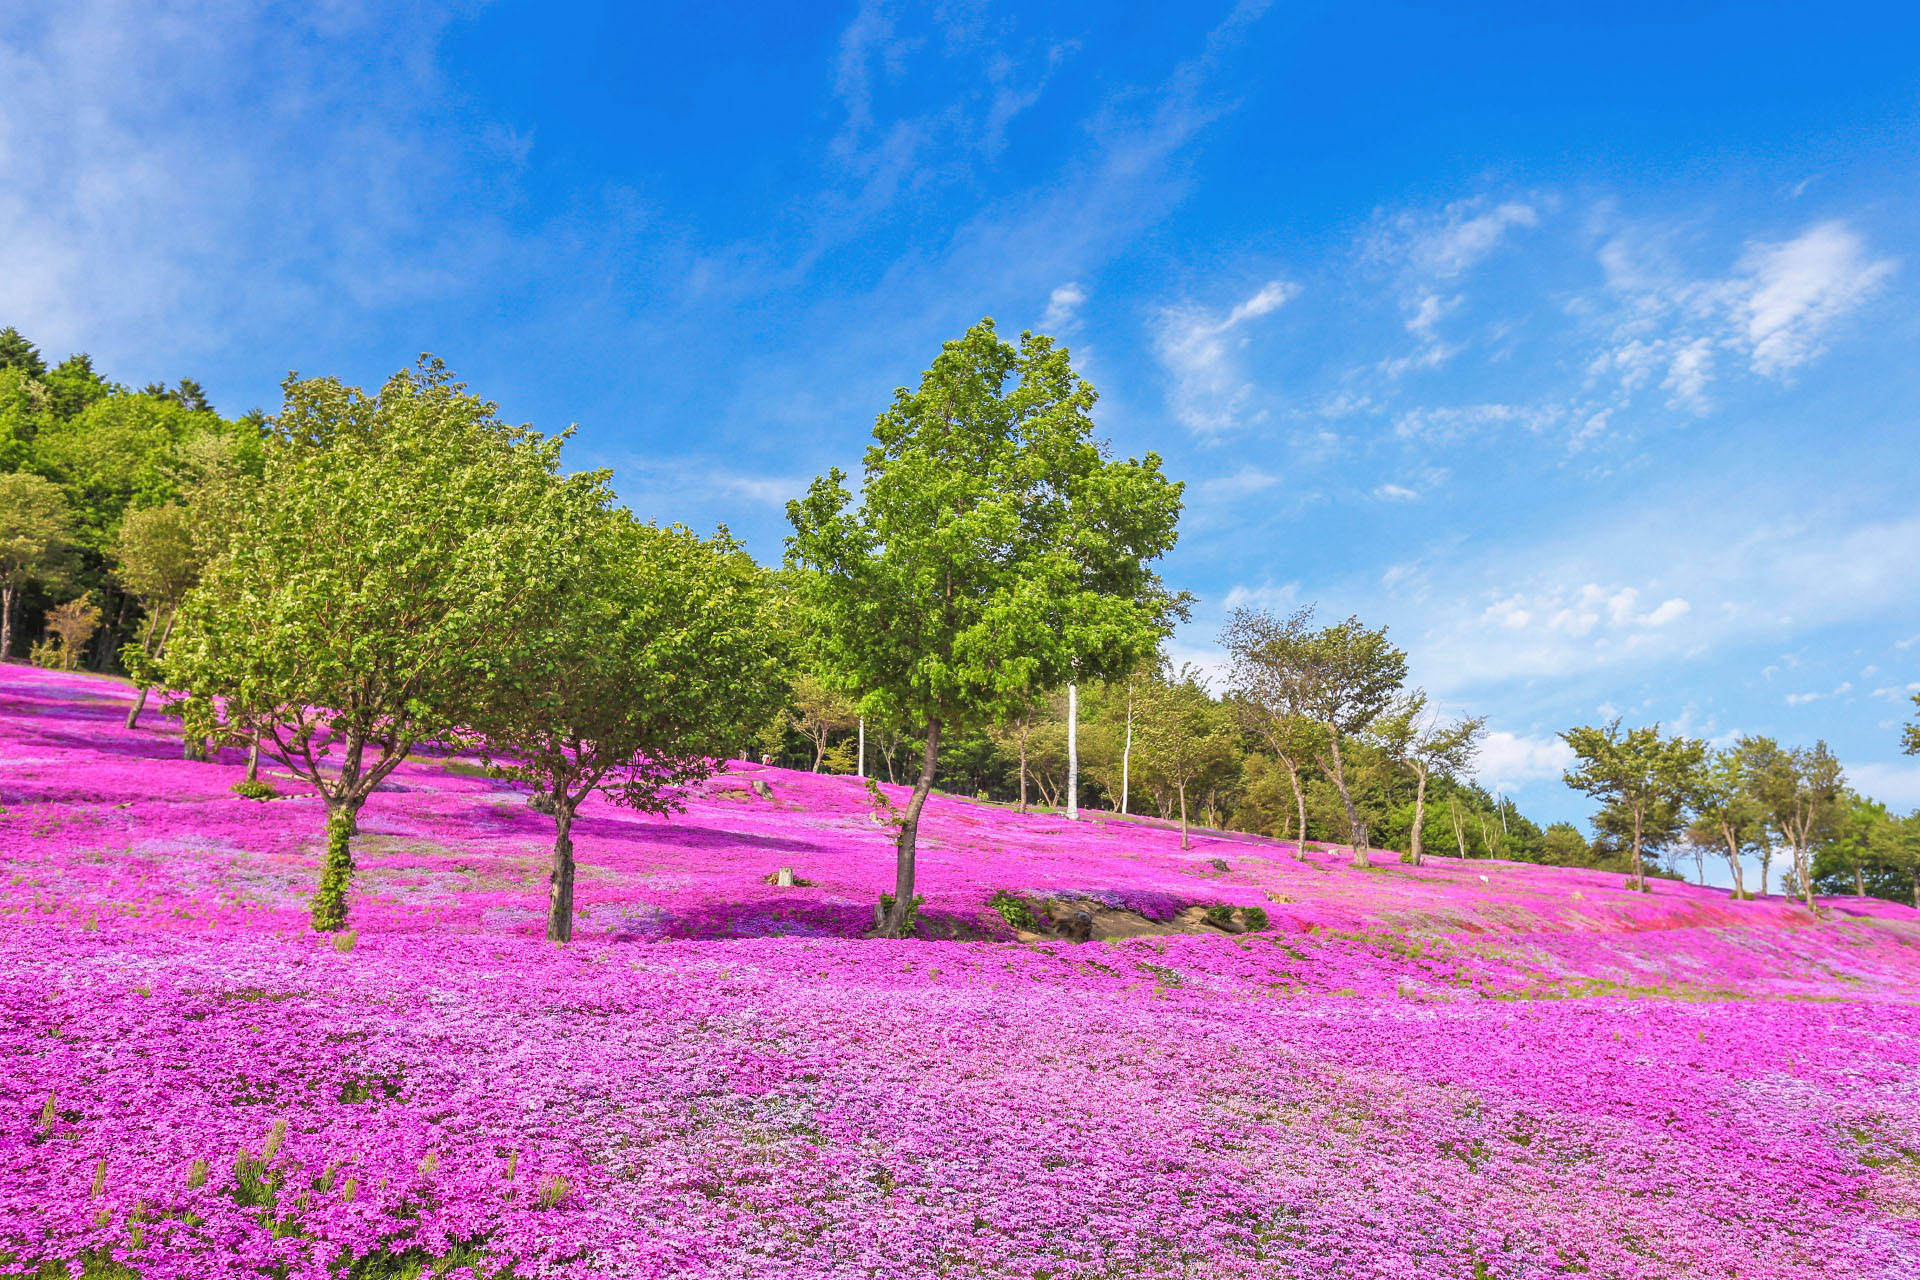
x,y
1774,312
1790,294
1209,393
1243,483
1445,245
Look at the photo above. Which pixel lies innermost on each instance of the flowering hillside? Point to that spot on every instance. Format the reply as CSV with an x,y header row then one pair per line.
x,y
1472,1070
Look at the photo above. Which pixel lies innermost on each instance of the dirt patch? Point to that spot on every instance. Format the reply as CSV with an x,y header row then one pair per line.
x,y
1083,920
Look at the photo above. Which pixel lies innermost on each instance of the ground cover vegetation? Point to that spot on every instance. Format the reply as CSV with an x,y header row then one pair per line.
x,y
279,990
1468,1067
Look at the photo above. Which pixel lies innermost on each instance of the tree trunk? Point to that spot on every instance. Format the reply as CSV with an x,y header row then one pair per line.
x,y
1023,770
1126,752
140,699
253,758
1639,868
894,924
1356,829
336,874
1859,881
862,766
1766,868
560,883
1733,859
1073,753
6,619
819,751
1916,888
1299,802
1419,817
1184,842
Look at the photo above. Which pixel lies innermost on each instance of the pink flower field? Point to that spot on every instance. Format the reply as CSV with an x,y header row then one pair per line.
x,y
1459,1070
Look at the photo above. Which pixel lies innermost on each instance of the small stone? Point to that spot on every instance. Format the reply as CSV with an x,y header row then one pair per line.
x,y
762,788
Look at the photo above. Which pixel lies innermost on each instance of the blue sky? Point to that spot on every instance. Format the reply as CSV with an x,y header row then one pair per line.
x,y
1578,349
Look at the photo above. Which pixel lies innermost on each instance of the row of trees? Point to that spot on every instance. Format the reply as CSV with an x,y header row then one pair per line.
x,y
410,572
365,575
1755,799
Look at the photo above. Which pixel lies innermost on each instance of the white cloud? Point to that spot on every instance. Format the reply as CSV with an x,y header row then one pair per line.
x,y
1448,244
1209,393
1512,760
1465,421
1063,308
1895,785
1243,483
1774,311
1280,599
1791,293
1668,611
1395,493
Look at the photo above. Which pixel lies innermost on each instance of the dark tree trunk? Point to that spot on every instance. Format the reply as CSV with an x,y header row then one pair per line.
x,y
894,923
560,887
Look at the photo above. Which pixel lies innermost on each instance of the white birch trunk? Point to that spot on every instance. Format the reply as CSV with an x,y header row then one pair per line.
x,y
1073,753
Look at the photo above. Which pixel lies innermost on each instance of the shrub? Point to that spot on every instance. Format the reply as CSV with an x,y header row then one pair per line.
x,y
46,654
1015,910
1220,914
253,789
1255,918
1218,864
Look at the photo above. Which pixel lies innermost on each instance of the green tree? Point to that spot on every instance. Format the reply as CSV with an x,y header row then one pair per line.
x,y
1799,790
820,713
1643,781
1416,737
17,353
1182,734
995,552
159,562
1565,846
36,541
1725,814
1268,683
25,408
1349,676
72,385
650,664
1910,735
379,582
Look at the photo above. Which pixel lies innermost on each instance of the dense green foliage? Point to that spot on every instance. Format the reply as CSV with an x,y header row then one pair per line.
x,y
110,452
995,553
